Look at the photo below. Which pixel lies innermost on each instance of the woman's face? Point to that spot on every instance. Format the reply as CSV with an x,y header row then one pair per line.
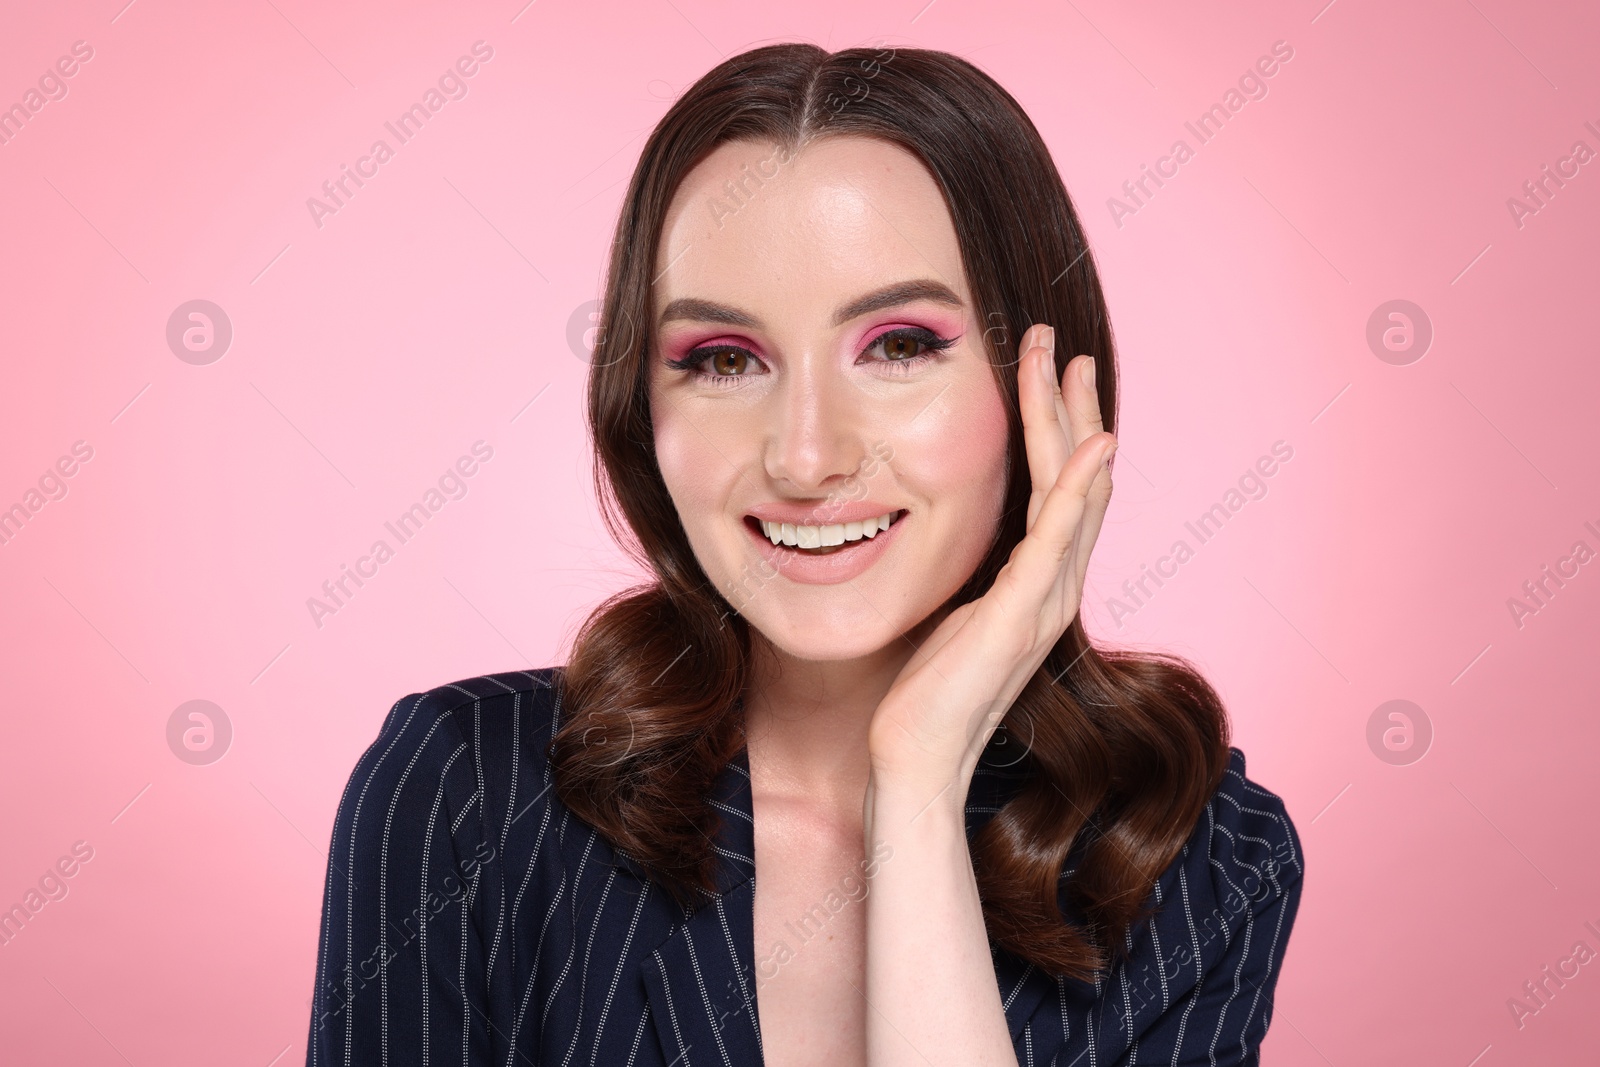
x,y
838,375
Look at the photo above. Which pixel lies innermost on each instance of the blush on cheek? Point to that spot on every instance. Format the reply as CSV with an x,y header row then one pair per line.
x,y
960,445
979,438
681,455
956,460
978,452
698,480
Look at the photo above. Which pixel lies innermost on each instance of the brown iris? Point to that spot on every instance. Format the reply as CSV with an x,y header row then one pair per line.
x,y
901,346
728,361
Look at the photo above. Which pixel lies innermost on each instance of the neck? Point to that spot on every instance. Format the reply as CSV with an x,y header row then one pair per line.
x,y
806,721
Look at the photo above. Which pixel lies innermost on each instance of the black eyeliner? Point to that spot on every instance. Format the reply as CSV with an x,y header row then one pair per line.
x,y
696,356
921,334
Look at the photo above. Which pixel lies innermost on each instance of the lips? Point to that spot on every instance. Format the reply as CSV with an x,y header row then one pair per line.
x,y
826,564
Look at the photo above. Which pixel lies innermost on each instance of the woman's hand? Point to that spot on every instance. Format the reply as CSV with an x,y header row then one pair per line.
x,y
937,1001
932,724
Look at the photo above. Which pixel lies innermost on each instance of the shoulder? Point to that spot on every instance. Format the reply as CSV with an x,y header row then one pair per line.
x,y
1241,867
446,745
527,695
429,841
455,713
1246,830
1201,972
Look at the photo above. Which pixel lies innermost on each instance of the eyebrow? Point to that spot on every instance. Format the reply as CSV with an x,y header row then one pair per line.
x,y
889,296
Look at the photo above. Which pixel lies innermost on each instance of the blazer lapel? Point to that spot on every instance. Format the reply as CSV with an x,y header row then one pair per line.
x,y
700,981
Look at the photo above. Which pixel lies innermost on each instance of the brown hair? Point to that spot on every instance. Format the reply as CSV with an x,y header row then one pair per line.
x,y
1126,748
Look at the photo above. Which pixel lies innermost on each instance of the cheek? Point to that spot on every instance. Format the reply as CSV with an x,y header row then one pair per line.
x,y
957,462
697,477
679,455
957,453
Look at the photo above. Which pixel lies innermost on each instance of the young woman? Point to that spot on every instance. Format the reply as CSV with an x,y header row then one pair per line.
x,y
851,404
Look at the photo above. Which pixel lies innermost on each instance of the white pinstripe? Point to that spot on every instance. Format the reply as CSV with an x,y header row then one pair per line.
x,y
638,1033
1199,966
427,851
505,831
350,889
383,892
588,951
738,970
516,1028
672,1013
566,965
622,962
1243,836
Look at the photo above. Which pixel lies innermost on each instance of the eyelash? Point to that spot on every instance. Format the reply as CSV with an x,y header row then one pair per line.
x,y
931,343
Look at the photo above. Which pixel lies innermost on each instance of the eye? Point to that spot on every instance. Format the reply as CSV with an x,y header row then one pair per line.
x,y
909,346
904,347
725,362
896,346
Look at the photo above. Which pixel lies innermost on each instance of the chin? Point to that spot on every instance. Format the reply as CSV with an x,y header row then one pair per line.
x,y
810,632
833,646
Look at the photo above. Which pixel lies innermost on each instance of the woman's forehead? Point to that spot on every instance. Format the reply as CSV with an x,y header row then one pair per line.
x,y
757,222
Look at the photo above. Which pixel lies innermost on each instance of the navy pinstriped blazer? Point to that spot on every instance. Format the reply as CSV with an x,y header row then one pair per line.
x,y
470,918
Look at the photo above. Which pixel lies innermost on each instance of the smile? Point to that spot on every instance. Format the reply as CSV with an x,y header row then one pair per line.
x,y
824,554
824,540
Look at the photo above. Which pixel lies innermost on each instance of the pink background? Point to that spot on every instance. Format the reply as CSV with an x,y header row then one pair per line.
x,y
433,309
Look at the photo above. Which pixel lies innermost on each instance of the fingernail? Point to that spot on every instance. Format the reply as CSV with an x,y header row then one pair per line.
x,y
1105,460
1087,374
1049,339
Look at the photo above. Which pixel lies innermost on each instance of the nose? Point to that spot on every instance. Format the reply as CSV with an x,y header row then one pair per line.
x,y
818,428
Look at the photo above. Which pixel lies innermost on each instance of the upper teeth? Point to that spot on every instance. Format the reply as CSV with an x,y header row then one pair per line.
x,y
788,533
